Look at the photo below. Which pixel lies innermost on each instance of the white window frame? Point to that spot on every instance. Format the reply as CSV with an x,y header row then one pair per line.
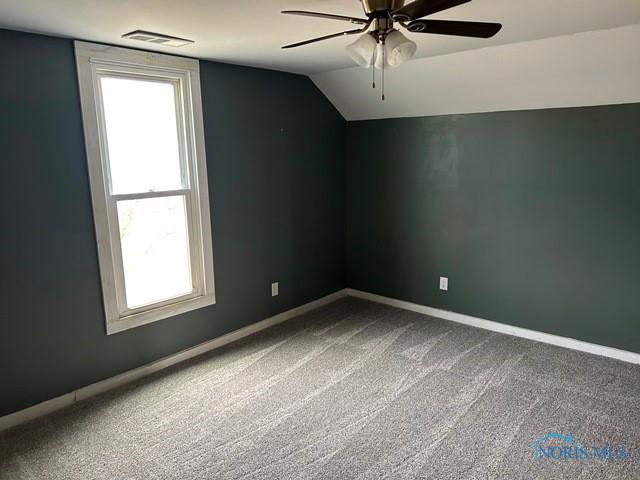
x,y
93,62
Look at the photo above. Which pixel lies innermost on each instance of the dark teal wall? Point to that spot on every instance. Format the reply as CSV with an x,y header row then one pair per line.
x,y
276,173
533,215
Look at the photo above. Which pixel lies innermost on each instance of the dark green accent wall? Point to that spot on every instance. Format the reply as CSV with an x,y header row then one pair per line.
x,y
533,215
275,150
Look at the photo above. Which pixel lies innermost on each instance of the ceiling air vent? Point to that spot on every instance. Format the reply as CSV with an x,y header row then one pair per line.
x,y
157,38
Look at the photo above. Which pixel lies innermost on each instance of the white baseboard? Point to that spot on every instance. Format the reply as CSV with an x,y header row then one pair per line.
x,y
102,386
557,340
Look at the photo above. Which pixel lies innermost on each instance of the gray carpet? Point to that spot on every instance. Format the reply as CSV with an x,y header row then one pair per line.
x,y
354,390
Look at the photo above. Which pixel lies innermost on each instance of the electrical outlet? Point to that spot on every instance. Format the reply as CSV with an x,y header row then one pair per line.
x,y
274,289
444,284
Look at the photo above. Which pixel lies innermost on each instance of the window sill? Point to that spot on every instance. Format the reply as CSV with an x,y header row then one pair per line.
x,y
166,311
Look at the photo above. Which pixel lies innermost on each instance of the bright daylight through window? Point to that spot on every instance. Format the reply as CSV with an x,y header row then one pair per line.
x,y
145,148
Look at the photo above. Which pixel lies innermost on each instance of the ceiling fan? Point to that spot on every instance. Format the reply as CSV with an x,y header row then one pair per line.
x,y
383,46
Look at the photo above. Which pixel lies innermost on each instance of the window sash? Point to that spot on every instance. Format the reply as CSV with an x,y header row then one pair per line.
x,y
101,70
94,62
195,251
194,244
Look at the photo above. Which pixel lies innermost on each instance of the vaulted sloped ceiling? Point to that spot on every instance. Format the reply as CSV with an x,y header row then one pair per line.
x,y
549,53
591,68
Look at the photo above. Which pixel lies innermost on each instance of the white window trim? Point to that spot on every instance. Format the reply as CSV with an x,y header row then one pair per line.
x,y
90,57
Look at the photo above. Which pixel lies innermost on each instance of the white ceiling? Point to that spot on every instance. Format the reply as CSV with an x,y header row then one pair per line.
x,y
250,32
591,68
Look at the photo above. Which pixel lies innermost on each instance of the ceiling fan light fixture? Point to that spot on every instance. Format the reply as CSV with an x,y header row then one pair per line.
x,y
363,50
383,46
398,49
381,61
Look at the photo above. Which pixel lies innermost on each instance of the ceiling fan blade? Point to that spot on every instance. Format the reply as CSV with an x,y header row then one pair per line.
x,y
326,37
330,16
422,8
451,27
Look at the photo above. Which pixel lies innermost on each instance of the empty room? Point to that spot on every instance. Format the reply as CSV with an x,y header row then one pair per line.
x,y
320,239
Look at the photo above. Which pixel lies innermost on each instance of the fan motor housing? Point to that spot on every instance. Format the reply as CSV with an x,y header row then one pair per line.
x,y
373,6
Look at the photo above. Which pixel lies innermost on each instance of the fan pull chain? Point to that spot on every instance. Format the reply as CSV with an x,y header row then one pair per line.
x,y
384,60
373,82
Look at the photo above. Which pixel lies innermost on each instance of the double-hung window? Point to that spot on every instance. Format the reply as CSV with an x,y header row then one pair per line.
x,y
144,138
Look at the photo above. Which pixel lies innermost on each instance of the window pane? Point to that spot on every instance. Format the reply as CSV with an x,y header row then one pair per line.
x,y
155,249
142,135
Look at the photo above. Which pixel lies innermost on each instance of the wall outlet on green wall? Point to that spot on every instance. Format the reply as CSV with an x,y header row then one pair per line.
x,y
444,284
